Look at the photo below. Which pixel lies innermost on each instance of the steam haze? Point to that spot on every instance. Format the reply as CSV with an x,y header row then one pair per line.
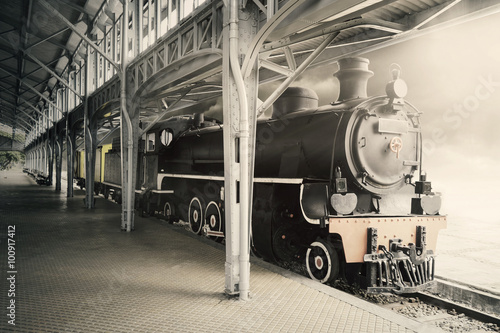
x,y
453,77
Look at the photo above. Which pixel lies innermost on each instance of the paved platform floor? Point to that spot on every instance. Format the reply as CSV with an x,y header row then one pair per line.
x,y
77,272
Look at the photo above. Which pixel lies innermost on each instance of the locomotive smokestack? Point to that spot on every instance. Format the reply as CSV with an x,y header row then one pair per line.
x,y
353,75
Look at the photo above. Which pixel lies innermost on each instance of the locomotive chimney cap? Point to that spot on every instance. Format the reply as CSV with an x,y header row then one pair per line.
x,y
353,75
353,63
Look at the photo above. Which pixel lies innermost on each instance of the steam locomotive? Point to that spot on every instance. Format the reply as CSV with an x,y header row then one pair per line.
x,y
338,187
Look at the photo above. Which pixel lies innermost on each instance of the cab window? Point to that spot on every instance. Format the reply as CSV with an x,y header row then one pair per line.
x,y
150,142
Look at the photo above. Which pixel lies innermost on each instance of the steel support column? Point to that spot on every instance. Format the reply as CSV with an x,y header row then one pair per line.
x,y
90,139
239,104
129,130
43,166
70,157
59,144
41,162
38,158
51,142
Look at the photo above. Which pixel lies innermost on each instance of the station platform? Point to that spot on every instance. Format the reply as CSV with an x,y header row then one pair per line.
x,y
75,271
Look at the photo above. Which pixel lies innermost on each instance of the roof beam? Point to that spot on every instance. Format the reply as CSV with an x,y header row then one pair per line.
x,y
40,68
6,32
46,39
163,114
23,40
59,45
107,135
40,83
14,121
328,28
26,113
19,118
34,108
17,107
435,12
15,41
52,10
7,90
23,111
76,7
36,85
10,50
60,79
33,89
8,58
464,11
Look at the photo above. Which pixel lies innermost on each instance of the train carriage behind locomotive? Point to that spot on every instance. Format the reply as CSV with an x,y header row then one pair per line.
x,y
338,185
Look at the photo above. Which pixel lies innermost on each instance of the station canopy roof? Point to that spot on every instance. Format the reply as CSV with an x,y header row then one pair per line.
x,y
37,47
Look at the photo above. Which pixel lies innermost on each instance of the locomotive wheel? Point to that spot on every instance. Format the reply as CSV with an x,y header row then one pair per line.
x,y
322,261
213,218
284,244
118,197
195,215
150,205
168,212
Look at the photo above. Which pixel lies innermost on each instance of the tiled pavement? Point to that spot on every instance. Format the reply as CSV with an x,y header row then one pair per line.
x,y
77,272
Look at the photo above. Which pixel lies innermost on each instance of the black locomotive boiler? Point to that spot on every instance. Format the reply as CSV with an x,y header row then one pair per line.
x,y
339,187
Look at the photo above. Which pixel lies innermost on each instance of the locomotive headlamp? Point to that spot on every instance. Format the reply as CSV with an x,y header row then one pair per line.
x,y
397,88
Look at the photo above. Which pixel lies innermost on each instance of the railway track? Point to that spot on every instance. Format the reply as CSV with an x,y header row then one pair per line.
x,y
459,315
455,310
448,315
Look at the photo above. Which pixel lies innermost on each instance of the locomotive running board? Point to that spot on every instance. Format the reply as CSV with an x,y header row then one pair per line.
x,y
163,191
220,178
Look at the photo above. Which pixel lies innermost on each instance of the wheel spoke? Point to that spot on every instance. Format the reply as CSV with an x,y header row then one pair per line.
x,y
213,219
322,261
195,215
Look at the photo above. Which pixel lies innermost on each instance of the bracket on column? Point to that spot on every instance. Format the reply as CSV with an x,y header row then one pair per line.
x,y
162,115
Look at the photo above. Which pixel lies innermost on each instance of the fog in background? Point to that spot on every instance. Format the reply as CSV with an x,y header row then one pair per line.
x,y
453,77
